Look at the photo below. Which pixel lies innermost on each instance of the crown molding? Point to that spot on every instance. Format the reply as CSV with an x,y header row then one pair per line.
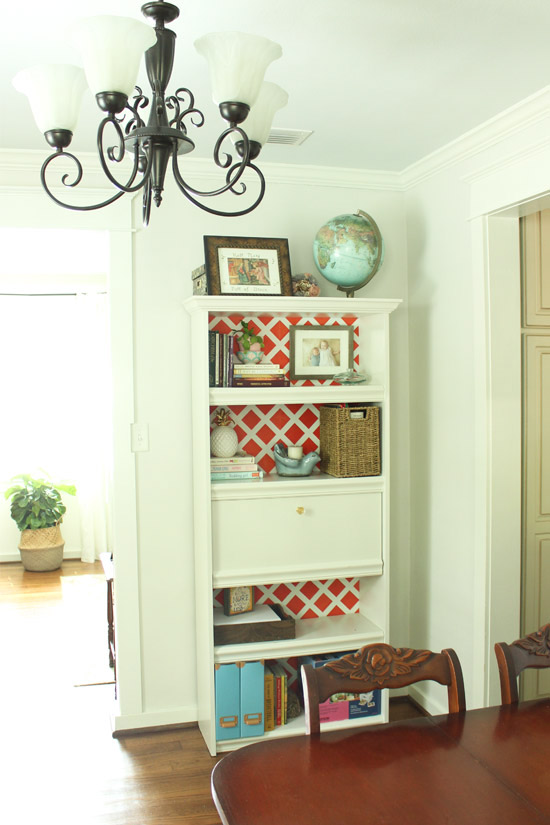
x,y
512,121
20,168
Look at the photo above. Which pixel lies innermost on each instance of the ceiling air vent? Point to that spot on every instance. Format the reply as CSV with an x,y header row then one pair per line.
x,y
288,137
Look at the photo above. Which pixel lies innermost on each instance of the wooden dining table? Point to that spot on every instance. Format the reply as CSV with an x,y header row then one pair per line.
x,y
481,767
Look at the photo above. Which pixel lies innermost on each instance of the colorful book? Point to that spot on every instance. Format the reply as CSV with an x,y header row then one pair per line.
x,y
238,458
259,376
344,706
261,383
251,369
211,358
281,692
277,694
269,700
217,359
234,468
241,474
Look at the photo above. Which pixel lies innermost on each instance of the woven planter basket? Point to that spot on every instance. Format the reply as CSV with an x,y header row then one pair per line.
x,y
350,447
42,549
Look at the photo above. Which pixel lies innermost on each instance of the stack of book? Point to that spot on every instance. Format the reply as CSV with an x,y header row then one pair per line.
x,y
275,696
238,468
264,374
221,346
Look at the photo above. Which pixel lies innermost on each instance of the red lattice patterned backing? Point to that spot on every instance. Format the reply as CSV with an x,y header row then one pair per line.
x,y
309,600
261,426
274,331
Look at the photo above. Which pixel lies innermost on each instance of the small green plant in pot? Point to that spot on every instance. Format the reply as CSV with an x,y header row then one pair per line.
x,y
250,344
37,509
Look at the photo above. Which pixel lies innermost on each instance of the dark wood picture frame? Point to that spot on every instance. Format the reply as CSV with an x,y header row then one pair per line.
x,y
247,266
314,336
238,600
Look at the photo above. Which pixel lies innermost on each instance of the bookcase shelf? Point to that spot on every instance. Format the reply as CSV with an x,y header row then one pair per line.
x,y
302,531
322,635
296,395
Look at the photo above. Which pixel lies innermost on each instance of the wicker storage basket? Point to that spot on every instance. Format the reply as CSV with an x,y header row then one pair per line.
x,y
42,549
350,446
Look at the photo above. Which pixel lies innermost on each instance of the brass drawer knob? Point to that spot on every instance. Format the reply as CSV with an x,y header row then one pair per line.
x,y
300,510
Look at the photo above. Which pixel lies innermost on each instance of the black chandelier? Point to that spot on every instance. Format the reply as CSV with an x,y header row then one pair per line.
x,y
112,48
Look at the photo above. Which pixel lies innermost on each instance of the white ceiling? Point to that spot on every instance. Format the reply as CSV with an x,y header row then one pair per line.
x,y
381,83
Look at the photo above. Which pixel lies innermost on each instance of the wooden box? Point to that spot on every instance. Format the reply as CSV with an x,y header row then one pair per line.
x,y
284,628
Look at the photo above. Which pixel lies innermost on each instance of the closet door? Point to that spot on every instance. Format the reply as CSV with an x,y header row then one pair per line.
x,y
536,433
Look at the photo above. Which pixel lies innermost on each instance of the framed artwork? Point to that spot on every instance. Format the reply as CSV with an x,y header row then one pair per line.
x,y
320,352
247,266
238,600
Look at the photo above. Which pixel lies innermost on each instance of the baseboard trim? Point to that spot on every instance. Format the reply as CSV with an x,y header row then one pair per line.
x,y
160,720
427,704
121,734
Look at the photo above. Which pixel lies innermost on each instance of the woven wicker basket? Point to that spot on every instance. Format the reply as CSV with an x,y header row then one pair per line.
x,y
42,549
350,446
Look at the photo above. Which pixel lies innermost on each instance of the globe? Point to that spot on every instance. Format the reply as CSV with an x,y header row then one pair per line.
x,y
348,250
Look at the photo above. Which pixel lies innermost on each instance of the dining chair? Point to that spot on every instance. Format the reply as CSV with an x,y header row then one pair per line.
x,y
532,650
380,666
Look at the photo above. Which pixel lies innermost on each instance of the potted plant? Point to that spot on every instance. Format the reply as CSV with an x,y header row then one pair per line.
x,y
250,344
37,509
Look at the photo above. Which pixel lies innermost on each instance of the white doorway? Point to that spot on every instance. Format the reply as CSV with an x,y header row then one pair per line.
x,y
55,372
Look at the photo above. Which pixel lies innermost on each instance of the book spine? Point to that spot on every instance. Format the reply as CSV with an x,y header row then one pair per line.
x,y
220,476
231,367
261,369
238,383
233,468
278,698
211,358
269,701
236,459
217,360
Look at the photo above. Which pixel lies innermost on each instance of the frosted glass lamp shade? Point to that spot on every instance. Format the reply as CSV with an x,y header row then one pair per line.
x,y
55,94
111,49
237,64
258,123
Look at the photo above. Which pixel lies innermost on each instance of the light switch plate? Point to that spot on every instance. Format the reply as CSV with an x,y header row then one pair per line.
x,y
140,438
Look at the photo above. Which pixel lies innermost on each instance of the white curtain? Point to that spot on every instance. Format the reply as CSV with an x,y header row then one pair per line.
x,y
93,468
56,400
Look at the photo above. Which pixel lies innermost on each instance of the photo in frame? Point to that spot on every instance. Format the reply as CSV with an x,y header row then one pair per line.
x,y
247,266
320,351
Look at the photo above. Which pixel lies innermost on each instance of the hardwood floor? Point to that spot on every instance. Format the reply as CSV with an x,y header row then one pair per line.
x,y
58,760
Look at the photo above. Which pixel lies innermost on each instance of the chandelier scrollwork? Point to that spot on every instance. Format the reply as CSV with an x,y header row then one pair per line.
x,y
153,130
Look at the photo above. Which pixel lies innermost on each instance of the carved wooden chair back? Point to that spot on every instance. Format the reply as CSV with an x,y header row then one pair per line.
x,y
380,666
530,651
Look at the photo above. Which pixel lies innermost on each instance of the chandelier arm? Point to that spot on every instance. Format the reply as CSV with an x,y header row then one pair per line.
x,y
77,180
232,177
117,156
187,190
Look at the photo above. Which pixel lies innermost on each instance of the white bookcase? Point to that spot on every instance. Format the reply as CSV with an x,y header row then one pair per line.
x,y
299,530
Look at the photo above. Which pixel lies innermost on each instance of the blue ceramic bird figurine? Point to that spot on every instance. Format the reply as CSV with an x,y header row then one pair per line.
x,y
293,466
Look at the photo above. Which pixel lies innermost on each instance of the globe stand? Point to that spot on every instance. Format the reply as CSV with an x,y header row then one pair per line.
x,y
350,290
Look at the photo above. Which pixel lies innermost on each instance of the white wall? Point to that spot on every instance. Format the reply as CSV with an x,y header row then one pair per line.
x,y
466,392
165,253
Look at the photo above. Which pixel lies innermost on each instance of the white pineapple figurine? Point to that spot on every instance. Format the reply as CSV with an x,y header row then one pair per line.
x,y
223,438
